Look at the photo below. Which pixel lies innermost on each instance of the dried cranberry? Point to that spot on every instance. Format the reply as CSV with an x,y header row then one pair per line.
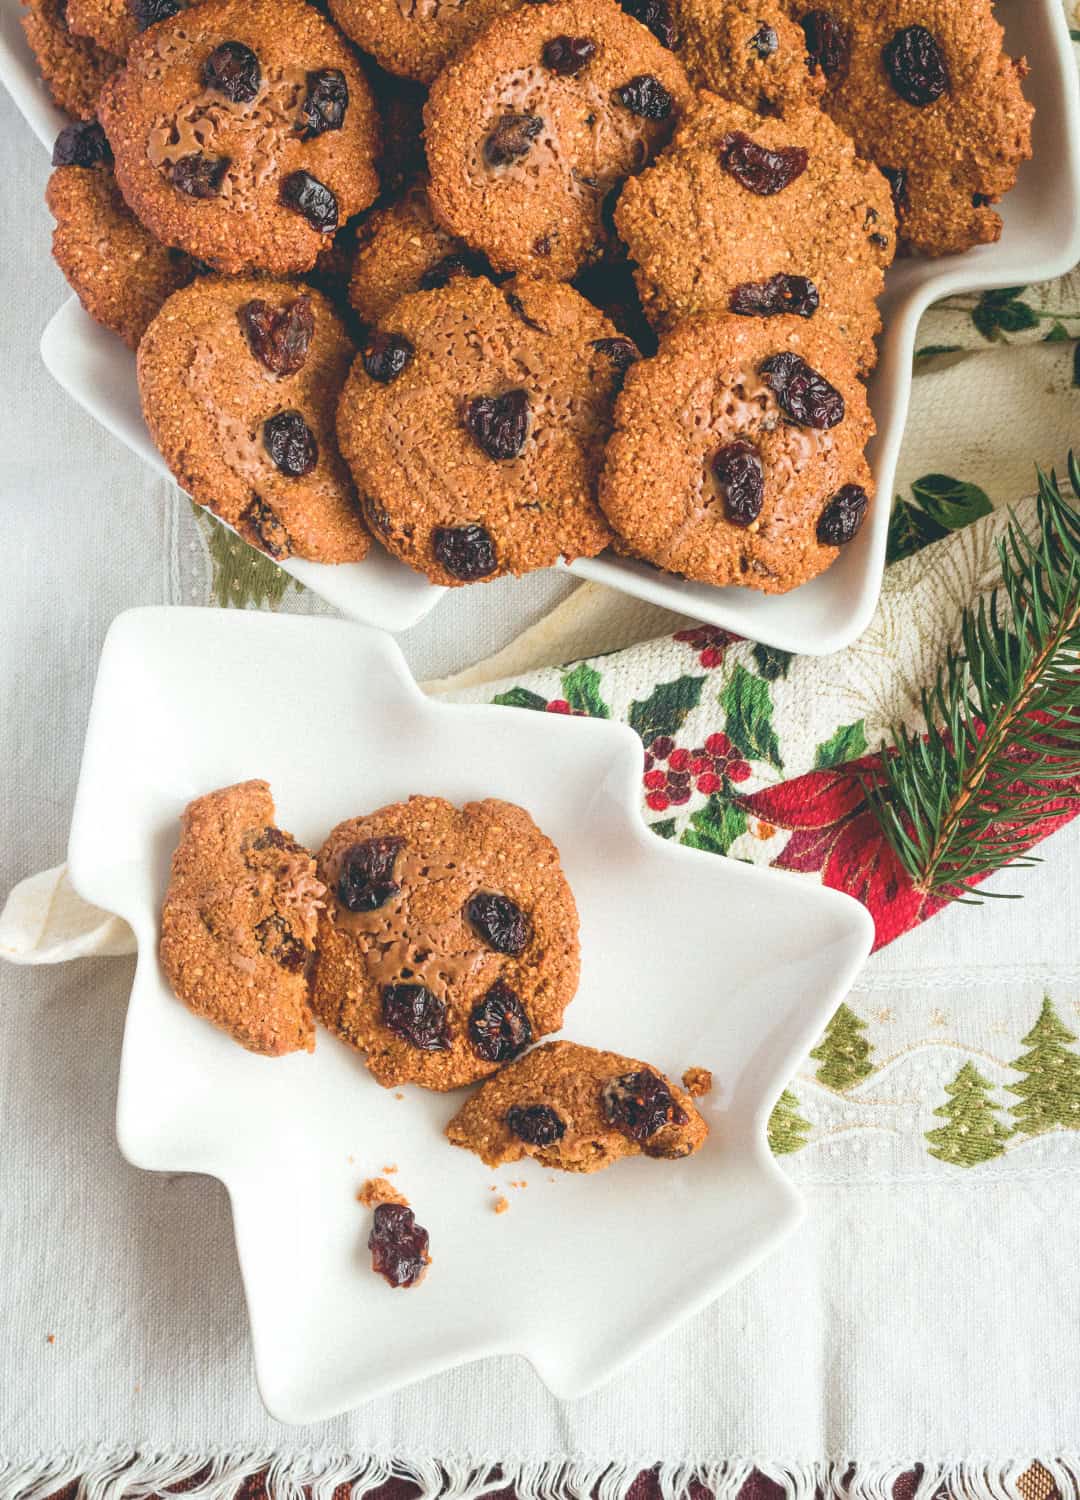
x,y
459,263
498,1026
738,471
386,355
645,96
517,307
826,42
840,520
761,169
366,877
466,552
535,1124
656,15
291,444
82,145
267,527
415,1015
542,243
398,1245
233,70
803,394
199,176
639,1104
512,137
764,41
500,922
325,103
278,943
896,177
273,838
279,337
916,66
499,424
621,352
567,55
780,294
148,13
308,196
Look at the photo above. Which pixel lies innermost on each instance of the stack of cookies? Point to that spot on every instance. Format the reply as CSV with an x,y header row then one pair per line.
x,y
507,282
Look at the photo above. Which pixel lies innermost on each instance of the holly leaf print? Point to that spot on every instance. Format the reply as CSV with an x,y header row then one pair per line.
x,y
772,662
1000,312
928,351
664,710
243,577
1058,334
1076,366
581,689
665,828
910,530
952,503
519,697
848,743
748,704
716,826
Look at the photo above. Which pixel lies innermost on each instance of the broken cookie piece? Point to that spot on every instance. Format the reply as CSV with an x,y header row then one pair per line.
x,y
577,1109
239,921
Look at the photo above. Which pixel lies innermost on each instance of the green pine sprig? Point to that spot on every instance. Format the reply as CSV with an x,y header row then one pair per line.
x,y
958,801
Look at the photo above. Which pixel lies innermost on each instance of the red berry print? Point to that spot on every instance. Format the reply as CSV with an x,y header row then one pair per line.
x,y
715,762
559,706
670,785
709,642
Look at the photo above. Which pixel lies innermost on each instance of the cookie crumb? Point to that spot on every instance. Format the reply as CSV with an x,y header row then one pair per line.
x,y
501,1205
377,1190
50,1338
391,1169
398,1094
697,1082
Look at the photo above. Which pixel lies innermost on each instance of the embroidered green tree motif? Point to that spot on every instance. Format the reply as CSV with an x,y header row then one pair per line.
x,y
243,577
786,1130
843,1054
973,1133
1050,1093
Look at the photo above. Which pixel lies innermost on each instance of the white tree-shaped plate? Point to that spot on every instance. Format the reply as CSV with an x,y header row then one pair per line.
x,y
687,959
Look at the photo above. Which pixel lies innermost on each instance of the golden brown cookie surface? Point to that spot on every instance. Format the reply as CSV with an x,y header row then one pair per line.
x,y
474,422
414,37
239,921
737,456
579,1110
927,92
239,381
754,55
74,69
119,272
449,942
740,213
244,132
533,125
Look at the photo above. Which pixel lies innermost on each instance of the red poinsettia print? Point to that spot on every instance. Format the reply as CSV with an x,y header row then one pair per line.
x,y
709,642
834,830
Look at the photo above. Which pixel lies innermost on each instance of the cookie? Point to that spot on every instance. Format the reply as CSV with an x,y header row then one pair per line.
x,y
474,423
401,249
579,1110
114,24
118,271
244,132
73,68
414,37
927,92
737,456
239,381
754,55
538,121
449,941
759,217
239,921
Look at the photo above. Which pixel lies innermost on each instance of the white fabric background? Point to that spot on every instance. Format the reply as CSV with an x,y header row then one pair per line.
x,y
951,1337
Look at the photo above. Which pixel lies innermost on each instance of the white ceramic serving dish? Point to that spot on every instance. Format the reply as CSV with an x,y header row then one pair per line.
x,y
686,960
1041,239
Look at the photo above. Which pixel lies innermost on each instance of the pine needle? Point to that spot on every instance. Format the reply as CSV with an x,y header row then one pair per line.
x,y
959,800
